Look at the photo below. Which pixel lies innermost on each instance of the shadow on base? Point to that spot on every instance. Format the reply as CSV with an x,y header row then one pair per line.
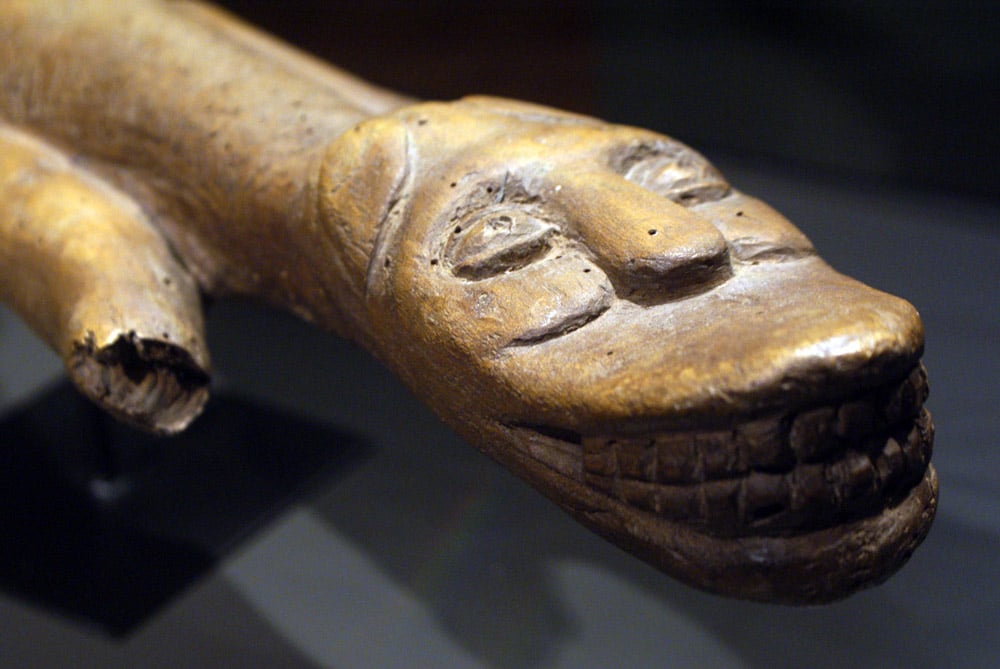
x,y
106,524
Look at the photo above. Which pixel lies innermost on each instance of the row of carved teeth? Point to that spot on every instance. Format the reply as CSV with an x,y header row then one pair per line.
x,y
775,474
809,496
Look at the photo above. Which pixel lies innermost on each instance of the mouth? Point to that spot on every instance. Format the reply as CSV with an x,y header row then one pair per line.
x,y
804,505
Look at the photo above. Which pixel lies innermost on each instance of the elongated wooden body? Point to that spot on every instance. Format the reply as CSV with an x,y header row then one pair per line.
x,y
592,305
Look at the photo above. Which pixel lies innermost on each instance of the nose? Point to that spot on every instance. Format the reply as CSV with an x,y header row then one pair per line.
x,y
653,249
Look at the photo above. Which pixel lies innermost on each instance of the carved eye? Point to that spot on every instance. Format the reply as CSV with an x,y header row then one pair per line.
x,y
682,176
496,242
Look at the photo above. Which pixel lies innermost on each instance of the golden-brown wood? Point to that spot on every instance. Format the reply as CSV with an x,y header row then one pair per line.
x,y
86,269
592,305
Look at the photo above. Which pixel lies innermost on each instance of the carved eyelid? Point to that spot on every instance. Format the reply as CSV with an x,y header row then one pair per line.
x,y
674,171
498,241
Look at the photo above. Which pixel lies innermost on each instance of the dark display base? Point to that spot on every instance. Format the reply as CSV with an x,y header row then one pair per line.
x,y
103,523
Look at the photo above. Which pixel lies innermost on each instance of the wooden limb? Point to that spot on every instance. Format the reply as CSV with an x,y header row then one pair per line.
x,y
88,272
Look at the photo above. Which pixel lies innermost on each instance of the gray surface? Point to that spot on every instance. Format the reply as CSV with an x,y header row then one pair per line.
x,y
428,554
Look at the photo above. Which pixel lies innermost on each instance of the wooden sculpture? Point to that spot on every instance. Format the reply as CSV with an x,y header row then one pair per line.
x,y
591,305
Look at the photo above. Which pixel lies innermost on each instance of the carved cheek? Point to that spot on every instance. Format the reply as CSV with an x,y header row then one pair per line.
x,y
755,231
542,301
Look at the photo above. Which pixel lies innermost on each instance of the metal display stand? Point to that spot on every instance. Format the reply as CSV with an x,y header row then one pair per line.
x,y
108,524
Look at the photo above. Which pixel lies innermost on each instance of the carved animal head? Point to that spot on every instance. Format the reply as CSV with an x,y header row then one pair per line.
x,y
664,356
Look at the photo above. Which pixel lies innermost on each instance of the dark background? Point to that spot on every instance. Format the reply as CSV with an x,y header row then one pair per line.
x,y
889,93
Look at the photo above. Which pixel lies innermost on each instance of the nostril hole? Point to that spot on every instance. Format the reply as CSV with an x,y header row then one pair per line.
x,y
652,232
